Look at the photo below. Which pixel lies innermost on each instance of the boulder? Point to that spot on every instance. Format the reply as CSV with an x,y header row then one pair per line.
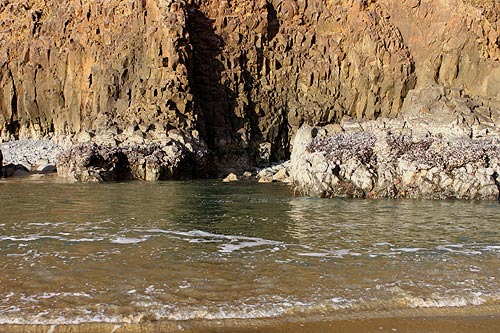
x,y
386,163
14,170
230,178
40,164
247,174
47,168
275,173
90,162
281,176
265,179
21,172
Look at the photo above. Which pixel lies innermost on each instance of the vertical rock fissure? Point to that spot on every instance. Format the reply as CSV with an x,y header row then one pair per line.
x,y
214,102
35,96
13,126
273,25
497,183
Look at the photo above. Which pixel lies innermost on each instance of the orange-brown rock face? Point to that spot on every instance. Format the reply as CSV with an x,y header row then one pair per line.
x,y
245,74
71,66
281,63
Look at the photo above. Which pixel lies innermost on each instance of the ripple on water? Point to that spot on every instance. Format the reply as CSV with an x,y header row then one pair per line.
x,y
84,253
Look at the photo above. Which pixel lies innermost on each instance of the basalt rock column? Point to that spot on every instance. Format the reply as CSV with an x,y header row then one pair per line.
x,y
93,68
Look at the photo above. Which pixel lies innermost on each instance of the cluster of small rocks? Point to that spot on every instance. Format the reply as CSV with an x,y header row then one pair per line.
x,y
276,173
22,157
279,172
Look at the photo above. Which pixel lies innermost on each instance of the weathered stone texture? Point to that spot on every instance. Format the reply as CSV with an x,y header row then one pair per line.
x,y
262,68
450,149
242,75
89,162
94,66
454,43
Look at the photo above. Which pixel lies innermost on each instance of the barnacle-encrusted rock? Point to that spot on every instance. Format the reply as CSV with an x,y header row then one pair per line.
x,y
400,158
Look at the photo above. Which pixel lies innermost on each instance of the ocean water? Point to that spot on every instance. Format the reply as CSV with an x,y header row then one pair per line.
x,y
204,250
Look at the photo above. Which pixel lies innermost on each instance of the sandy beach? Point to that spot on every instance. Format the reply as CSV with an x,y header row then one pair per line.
x,y
447,324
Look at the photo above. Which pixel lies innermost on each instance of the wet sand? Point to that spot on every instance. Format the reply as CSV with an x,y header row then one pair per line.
x,y
448,324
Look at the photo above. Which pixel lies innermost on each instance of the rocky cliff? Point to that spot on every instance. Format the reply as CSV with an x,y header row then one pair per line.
x,y
241,76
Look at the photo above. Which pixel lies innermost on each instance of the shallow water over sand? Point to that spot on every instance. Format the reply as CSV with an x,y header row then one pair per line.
x,y
128,252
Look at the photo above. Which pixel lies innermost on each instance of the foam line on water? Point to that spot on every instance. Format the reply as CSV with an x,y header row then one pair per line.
x,y
235,242
128,240
400,301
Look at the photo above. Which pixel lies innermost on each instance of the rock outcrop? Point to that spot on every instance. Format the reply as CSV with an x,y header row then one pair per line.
x,y
32,154
93,163
241,76
29,156
450,149
89,162
15,170
93,68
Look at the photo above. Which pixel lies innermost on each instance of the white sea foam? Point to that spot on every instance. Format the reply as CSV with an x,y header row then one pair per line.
x,y
442,302
492,248
458,248
10,309
236,243
31,238
128,240
313,254
47,295
228,248
408,249
341,253
45,224
81,240
267,308
21,239
383,244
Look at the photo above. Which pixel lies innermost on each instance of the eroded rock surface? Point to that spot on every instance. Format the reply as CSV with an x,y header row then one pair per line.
x,y
241,76
452,151
31,153
93,67
90,162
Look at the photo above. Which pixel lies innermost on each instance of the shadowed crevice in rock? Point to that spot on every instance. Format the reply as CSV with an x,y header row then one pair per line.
x,y
273,25
226,125
12,126
497,183
214,101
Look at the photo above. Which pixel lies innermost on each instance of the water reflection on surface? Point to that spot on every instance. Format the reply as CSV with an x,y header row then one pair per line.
x,y
202,249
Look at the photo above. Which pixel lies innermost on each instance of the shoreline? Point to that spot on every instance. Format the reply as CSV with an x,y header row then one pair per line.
x,y
487,322
365,162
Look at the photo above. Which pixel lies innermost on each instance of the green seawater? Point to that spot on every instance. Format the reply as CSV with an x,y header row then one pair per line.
x,y
122,252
